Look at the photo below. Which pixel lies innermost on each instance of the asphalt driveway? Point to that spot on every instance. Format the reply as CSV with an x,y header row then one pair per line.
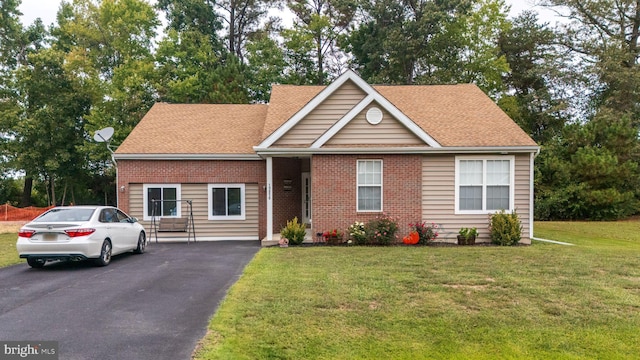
x,y
151,306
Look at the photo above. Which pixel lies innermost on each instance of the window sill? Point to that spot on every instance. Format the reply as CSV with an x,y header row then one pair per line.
x,y
226,218
480,212
149,218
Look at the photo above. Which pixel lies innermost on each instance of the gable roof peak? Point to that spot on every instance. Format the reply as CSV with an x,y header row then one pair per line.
x,y
371,95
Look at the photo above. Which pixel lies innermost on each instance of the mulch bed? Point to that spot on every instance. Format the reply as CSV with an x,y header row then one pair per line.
x,y
432,244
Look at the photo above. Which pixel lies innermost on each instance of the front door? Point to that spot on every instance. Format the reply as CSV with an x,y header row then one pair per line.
x,y
306,198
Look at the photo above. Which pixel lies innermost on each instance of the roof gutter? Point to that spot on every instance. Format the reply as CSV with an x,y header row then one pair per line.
x,y
262,152
395,150
187,156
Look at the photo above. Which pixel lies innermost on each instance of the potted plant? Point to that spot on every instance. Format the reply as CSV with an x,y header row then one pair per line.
x,y
333,237
467,236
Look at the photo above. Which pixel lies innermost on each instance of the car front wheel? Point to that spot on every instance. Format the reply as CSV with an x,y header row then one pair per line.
x,y
105,254
142,243
36,263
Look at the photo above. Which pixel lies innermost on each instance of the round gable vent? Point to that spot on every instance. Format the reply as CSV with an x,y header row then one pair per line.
x,y
374,116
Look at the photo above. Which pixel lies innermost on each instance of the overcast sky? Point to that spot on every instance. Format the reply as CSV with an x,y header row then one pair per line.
x,y
47,9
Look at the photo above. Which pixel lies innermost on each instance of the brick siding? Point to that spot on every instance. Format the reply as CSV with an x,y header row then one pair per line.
x,y
286,204
334,190
333,186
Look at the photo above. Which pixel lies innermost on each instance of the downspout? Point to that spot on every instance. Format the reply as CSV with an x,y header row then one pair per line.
x,y
531,197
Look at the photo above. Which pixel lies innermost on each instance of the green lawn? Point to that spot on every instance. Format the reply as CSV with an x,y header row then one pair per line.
x,y
8,252
541,301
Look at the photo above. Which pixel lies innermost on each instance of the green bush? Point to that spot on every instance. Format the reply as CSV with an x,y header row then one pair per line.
x,y
579,202
505,228
294,232
381,231
357,233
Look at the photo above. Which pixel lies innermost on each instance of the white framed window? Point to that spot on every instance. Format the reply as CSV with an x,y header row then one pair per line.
x,y
369,180
167,200
226,202
484,184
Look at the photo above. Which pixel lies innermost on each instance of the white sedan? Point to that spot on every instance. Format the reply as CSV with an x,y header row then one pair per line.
x,y
80,233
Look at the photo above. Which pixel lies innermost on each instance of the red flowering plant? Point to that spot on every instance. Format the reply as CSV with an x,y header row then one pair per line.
x,y
332,236
426,232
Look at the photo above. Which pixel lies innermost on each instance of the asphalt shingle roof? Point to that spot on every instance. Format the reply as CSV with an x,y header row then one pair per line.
x,y
197,129
454,115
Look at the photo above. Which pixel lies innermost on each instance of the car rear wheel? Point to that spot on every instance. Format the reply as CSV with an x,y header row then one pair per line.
x,y
105,254
36,263
142,244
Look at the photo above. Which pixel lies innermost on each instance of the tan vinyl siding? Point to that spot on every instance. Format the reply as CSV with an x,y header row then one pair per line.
x,y
136,199
438,198
204,228
323,116
388,132
523,191
438,195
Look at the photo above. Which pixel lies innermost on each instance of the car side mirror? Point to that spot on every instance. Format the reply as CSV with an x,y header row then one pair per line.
x,y
133,220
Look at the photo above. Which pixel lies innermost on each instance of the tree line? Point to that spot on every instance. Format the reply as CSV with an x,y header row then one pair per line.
x,y
572,86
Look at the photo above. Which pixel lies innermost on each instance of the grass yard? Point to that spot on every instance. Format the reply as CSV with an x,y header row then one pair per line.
x,y
8,252
541,301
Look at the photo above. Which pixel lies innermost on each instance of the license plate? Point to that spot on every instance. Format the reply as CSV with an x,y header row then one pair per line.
x,y
49,237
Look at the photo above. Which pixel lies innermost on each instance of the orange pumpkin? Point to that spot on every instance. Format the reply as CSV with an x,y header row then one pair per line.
x,y
412,238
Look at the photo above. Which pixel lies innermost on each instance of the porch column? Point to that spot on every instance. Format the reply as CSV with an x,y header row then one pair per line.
x,y
269,198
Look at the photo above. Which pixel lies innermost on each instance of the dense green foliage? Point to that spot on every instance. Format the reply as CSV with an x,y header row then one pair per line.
x,y
589,170
574,88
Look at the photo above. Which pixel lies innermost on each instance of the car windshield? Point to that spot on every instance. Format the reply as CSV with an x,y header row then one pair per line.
x,y
66,214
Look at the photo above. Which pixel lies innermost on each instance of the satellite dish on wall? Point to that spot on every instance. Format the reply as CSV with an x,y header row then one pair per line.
x,y
103,135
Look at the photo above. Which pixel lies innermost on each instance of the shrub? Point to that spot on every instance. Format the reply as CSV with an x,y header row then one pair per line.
x,y
356,233
579,202
426,233
381,231
505,228
294,232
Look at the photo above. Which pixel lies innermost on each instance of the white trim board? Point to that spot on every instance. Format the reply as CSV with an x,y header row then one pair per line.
x,y
489,150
